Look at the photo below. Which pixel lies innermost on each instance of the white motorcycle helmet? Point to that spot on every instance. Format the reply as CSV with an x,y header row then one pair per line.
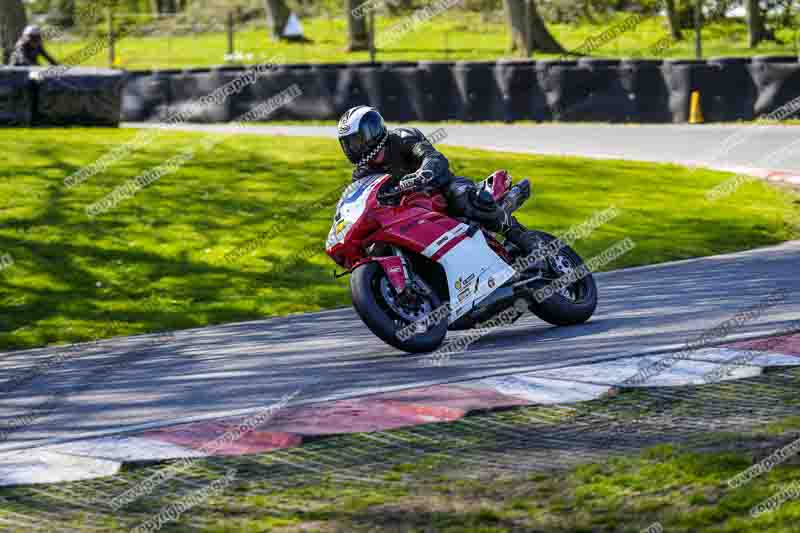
x,y
362,134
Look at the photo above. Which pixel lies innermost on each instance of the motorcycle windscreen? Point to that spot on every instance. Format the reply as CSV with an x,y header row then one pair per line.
x,y
351,206
473,270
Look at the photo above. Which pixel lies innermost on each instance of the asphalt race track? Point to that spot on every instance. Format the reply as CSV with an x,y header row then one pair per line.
x,y
141,382
717,145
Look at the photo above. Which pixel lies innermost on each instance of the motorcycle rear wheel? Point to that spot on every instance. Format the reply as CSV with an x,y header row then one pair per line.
x,y
373,300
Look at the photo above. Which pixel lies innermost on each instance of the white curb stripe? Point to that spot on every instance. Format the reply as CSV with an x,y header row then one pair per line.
x,y
615,373
749,357
44,466
542,391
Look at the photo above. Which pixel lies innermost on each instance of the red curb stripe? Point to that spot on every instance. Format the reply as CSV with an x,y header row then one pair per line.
x,y
439,403
203,435
787,345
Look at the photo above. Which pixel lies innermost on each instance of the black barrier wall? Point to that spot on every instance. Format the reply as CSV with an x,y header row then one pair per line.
x,y
56,97
16,97
587,89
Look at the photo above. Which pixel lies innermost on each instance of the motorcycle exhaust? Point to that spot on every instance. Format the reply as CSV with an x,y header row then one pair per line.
x,y
494,304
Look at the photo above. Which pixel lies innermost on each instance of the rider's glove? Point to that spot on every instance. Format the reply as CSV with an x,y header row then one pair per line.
x,y
420,181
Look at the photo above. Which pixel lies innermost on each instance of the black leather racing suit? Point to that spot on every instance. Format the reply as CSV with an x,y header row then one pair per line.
x,y
27,54
407,151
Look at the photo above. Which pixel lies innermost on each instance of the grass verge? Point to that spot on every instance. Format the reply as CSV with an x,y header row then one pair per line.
x,y
612,465
453,35
157,261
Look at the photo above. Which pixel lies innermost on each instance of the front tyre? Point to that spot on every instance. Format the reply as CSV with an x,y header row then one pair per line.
x,y
564,304
377,303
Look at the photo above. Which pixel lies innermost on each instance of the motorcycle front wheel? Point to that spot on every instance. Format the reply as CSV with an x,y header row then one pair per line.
x,y
567,305
389,317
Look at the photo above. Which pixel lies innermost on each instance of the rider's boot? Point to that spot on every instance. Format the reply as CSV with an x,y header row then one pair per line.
x,y
519,236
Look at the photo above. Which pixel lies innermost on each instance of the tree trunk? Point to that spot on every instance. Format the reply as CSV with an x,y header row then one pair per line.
x,y
66,13
674,21
357,34
12,22
755,22
277,14
586,8
515,17
541,38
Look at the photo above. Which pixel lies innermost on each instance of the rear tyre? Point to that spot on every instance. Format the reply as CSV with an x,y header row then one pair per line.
x,y
374,301
573,304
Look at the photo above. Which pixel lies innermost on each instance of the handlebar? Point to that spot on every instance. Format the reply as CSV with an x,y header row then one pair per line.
x,y
408,183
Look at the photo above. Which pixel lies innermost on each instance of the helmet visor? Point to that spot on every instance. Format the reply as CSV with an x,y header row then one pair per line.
x,y
354,146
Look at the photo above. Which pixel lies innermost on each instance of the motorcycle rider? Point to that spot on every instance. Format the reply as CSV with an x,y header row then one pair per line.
x,y
29,48
372,148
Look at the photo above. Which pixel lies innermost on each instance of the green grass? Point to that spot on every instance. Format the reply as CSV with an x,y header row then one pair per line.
x,y
453,35
156,261
677,486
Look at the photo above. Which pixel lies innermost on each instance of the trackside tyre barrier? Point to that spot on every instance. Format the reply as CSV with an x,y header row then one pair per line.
x,y
577,92
187,87
683,77
522,97
402,98
587,89
144,95
737,91
478,91
554,77
777,82
250,94
647,88
440,91
313,101
79,96
357,85
16,97
607,100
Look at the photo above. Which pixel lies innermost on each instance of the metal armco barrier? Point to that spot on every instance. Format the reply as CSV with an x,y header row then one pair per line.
x,y
16,98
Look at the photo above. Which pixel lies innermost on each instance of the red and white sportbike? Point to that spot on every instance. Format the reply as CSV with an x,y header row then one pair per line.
x,y
417,272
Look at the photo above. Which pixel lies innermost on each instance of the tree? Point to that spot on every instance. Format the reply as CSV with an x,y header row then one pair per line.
x,y
755,22
12,22
673,20
541,38
357,34
65,13
277,15
527,28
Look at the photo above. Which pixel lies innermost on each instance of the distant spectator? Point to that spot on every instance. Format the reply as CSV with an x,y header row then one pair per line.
x,y
29,48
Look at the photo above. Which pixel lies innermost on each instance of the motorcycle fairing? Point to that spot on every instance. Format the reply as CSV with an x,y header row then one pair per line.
x,y
351,207
394,269
473,271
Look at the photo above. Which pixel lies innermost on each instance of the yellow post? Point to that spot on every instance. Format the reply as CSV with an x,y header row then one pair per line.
x,y
695,113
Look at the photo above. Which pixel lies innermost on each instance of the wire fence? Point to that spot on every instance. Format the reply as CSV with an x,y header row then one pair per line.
x,y
231,37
